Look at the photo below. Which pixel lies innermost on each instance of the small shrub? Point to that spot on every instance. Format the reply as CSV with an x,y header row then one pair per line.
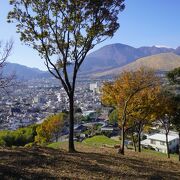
x,y
30,145
2,143
19,137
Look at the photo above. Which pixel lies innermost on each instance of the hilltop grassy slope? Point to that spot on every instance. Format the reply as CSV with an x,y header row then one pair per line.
x,y
88,163
160,62
95,141
98,141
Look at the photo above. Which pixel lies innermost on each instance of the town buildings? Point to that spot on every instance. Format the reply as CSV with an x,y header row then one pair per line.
x,y
34,100
157,142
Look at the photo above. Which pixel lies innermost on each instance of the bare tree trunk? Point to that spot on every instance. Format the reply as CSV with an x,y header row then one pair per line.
x,y
71,124
179,146
134,142
167,145
121,150
139,141
139,137
56,138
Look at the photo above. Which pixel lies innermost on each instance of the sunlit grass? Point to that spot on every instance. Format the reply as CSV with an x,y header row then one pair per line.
x,y
159,154
99,141
95,141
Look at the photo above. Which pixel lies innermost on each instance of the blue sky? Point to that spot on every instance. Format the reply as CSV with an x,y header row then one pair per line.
x,y
143,23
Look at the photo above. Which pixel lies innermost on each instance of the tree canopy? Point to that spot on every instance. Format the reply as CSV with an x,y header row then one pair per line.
x,y
174,79
174,76
127,93
63,32
50,129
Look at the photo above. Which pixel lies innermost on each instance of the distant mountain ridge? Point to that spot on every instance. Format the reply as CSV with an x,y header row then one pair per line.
x,y
118,55
160,62
23,72
106,60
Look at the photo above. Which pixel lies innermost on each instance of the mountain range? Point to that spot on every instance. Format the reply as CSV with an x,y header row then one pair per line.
x,y
162,62
23,72
111,60
118,55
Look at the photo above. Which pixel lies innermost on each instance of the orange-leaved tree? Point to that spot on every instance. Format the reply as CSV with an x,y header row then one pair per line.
x,y
143,111
120,93
50,129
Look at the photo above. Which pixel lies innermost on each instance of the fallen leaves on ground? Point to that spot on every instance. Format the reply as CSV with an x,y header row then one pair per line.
x,y
87,163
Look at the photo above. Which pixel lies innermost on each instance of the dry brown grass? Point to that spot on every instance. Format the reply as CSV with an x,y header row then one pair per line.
x,y
88,163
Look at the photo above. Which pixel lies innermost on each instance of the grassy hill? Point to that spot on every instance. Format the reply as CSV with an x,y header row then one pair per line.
x,y
89,163
98,141
160,62
95,141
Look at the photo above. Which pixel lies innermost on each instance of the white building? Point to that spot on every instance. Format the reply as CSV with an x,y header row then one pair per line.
x,y
87,113
94,87
158,142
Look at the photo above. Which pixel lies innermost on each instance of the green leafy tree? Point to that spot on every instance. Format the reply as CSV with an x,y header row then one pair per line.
x,y
63,32
165,111
174,81
174,76
176,118
19,137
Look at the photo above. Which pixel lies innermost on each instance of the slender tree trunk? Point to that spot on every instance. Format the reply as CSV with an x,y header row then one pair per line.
x,y
179,146
71,124
139,136
121,150
167,145
134,142
139,141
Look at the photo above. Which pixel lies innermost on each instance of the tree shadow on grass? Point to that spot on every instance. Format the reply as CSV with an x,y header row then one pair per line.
x,y
46,163
135,168
20,163
11,172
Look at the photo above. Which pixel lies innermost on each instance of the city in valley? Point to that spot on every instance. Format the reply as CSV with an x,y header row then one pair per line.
x,y
32,101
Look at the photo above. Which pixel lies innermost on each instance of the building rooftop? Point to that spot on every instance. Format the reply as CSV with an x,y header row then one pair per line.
x,y
162,137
